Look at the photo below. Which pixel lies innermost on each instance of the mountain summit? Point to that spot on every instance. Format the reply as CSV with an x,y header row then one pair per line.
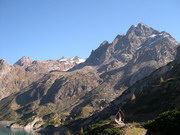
x,y
24,61
141,29
124,48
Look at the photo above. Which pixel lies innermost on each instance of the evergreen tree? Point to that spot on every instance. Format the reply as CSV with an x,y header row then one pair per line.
x,y
161,80
81,131
68,133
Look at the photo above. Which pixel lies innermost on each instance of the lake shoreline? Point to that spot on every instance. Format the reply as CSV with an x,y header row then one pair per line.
x,y
6,123
8,131
11,125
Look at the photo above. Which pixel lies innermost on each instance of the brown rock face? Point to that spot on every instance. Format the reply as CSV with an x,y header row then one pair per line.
x,y
24,61
141,43
25,71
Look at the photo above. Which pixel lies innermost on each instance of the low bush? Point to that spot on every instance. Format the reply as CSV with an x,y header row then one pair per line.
x,y
102,128
166,123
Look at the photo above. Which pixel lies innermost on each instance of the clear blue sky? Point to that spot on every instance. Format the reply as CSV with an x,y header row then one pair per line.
x,y
49,29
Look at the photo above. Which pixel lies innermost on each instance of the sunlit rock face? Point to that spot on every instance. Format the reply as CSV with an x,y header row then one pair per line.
x,y
140,43
25,71
24,61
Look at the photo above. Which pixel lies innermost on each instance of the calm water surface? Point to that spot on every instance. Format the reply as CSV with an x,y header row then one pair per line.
x,y
6,131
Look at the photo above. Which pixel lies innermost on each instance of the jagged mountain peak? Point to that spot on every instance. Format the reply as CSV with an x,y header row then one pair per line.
x,y
25,58
4,67
3,64
73,59
2,61
141,29
105,42
140,26
24,61
78,59
62,59
123,47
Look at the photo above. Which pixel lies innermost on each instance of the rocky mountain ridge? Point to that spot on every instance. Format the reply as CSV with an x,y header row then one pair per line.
x,y
145,99
25,71
62,64
90,86
139,38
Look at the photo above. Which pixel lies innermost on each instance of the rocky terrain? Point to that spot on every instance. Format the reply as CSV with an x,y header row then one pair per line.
x,y
62,64
144,100
71,91
25,71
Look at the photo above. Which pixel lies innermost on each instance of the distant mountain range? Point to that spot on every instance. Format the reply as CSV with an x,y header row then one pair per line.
x,y
74,89
25,71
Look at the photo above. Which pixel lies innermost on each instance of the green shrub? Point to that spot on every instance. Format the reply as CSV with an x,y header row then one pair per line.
x,y
81,132
167,122
102,128
111,131
161,80
68,133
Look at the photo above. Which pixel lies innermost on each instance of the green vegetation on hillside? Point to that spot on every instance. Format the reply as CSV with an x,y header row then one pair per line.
x,y
103,128
167,123
153,100
106,127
